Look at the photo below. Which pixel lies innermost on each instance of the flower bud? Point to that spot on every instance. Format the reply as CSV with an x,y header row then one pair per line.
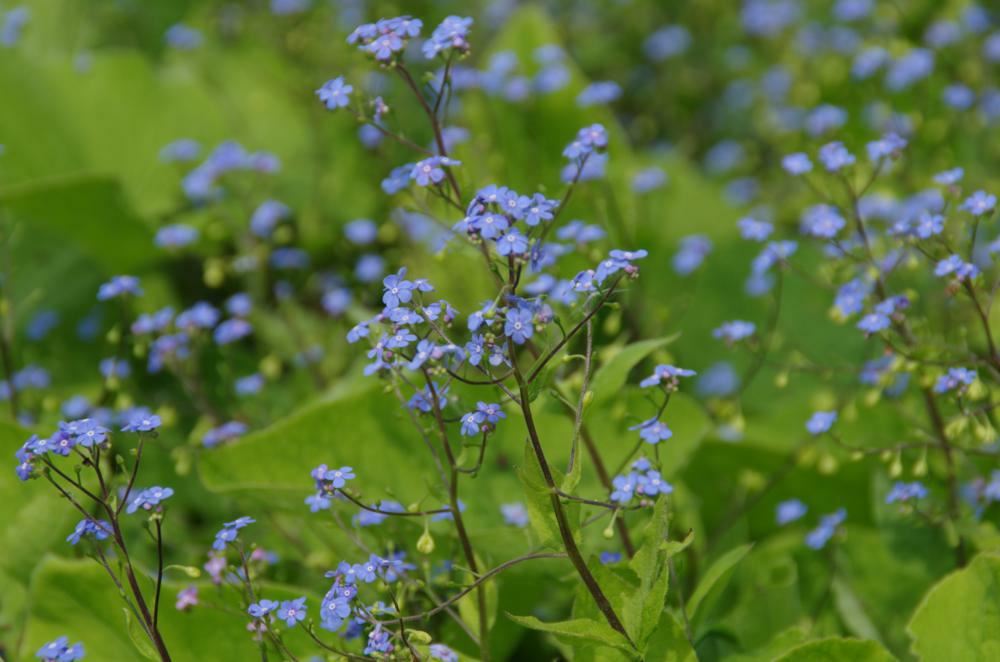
x,y
425,545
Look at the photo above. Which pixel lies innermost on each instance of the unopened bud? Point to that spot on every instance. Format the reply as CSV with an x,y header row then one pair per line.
x,y
425,545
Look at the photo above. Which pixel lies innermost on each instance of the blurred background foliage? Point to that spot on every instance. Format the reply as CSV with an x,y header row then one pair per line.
x,y
92,92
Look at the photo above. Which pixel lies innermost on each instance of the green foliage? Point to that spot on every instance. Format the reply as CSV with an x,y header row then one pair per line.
x,y
585,629
831,650
957,619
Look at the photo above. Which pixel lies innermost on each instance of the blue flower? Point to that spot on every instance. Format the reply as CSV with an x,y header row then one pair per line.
x,y
928,225
623,488
442,653
452,34
666,375
955,378
818,537
667,42
874,322
903,492
398,179
329,480
754,230
397,289
954,264
59,650
96,529
115,368
86,432
119,286
231,330
183,37
539,209
514,514
431,170
361,232
889,145
651,483
912,67
693,251
617,261
588,140
223,433
400,340
734,331
201,315
262,608
266,217
851,296
599,93
824,119
142,421
473,423
797,163
789,511
518,325
386,37
292,612
579,232
980,203
177,235
379,641
512,243
229,532
835,156
773,253
822,221
607,558
249,385
148,499
335,93
653,431
648,179
949,177
820,422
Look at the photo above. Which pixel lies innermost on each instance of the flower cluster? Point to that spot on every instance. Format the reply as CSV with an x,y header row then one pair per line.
x,y
641,481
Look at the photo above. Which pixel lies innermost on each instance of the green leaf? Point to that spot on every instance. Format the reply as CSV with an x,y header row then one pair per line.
x,y
612,375
959,618
852,612
34,519
718,571
668,643
139,637
538,499
644,606
836,650
76,598
87,212
357,426
468,607
577,629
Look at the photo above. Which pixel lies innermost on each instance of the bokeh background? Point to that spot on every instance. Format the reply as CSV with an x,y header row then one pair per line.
x,y
711,94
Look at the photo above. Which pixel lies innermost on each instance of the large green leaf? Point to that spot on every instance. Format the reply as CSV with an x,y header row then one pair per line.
x,y
668,643
77,599
718,572
611,376
579,629
87,212
358,427
959,619
33,520
835,650
645,605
